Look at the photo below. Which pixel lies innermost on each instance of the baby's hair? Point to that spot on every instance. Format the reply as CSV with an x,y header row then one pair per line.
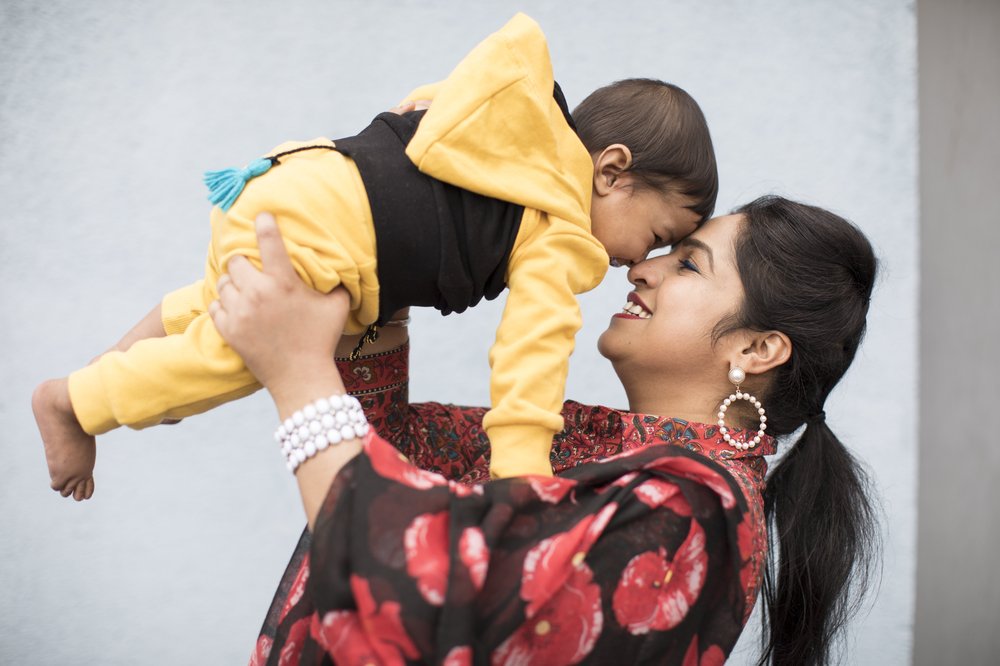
x,y
664,129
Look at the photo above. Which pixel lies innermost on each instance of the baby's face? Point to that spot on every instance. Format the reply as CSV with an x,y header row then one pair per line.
x,y
632,221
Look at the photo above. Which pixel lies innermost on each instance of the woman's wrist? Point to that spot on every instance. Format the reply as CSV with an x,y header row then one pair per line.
x,y
297,387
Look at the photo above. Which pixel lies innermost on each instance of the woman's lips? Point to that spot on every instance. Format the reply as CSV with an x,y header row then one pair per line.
x,y
634,298
634,309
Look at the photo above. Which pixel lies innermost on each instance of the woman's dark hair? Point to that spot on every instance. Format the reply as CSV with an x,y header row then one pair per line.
x,y
664,129
809,274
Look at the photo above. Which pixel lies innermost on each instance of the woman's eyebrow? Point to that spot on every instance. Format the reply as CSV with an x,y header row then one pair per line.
x,y
695,244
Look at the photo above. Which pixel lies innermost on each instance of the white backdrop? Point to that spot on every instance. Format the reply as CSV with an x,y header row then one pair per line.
x,y
110,111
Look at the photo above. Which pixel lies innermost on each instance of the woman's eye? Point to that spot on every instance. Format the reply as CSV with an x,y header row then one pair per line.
x,y
689,265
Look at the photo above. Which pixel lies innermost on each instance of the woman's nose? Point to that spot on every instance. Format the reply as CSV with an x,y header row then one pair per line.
x,y
644,274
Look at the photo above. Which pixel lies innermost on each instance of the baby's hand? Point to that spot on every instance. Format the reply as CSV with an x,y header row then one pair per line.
x,y
70,452
411,105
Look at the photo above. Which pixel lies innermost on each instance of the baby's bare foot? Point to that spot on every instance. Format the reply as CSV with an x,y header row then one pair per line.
x,y
69,451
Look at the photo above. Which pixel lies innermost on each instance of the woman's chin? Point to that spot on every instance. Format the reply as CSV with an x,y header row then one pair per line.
x,y
611,344
604,345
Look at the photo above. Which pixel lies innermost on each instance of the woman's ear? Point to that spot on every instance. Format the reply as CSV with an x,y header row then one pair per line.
x,y
764,351
609,165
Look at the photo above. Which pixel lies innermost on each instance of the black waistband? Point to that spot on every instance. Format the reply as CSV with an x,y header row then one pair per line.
x,y
436,245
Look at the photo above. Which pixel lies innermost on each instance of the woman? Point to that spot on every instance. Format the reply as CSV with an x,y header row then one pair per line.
x,y
649,545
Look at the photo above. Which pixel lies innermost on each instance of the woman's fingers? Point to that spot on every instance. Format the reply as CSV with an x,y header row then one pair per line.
x,y
241,272
90,488
273,254
219,318
229,295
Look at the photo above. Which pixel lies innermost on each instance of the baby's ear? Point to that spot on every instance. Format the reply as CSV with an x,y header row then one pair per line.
x,y
609,165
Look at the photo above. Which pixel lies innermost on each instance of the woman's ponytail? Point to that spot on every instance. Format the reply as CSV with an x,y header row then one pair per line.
x,y
822,536
809,274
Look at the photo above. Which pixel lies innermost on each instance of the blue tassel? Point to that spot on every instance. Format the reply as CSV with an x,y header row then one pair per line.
x,y
225,185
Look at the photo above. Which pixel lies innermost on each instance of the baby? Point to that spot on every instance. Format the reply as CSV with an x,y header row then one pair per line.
x,y
496,186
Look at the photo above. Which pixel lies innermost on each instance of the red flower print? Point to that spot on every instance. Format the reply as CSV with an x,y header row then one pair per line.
x,y
298,588
552,560
292,649
373,634
657,493
691,656
261,651
625,479
551,489
426,545
713,656
391,464
696,471
475,555
563,631
343,637
465,489
458,656
655,593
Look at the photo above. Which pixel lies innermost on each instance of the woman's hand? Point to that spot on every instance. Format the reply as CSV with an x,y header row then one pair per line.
x,y
285,331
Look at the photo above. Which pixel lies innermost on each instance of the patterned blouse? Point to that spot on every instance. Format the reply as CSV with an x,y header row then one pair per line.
x,y
646,547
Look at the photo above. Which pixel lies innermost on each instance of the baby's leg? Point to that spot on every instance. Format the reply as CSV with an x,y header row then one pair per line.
x,y
182,309
70,452
150,326
168,377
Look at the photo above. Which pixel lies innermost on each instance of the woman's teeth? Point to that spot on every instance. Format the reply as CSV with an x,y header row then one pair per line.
x,y
636,309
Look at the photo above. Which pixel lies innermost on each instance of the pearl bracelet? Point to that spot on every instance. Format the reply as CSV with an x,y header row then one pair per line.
x,y
318,425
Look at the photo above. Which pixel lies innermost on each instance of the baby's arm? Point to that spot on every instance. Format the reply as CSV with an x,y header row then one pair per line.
x,y
530,360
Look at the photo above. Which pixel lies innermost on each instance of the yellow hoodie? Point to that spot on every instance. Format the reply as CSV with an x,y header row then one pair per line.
x,y
494,129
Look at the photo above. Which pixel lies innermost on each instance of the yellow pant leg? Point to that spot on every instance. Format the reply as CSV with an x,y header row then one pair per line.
x,y
323,214
179,375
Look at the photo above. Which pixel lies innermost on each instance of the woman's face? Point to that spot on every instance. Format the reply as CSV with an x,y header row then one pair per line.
x,y
666,325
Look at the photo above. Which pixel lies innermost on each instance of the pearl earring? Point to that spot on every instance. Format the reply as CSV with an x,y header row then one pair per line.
x,y
737,376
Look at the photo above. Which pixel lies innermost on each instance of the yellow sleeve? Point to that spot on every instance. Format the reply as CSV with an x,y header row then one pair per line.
x,y
552,262
179,308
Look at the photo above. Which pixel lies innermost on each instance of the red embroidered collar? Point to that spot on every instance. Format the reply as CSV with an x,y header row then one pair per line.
x,y
700,437
635,430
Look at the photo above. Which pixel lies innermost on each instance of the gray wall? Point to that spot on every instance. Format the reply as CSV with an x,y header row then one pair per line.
x,y
109,112
958,581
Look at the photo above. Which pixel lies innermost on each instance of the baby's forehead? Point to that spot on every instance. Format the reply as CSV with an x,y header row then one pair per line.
x,y
683,221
